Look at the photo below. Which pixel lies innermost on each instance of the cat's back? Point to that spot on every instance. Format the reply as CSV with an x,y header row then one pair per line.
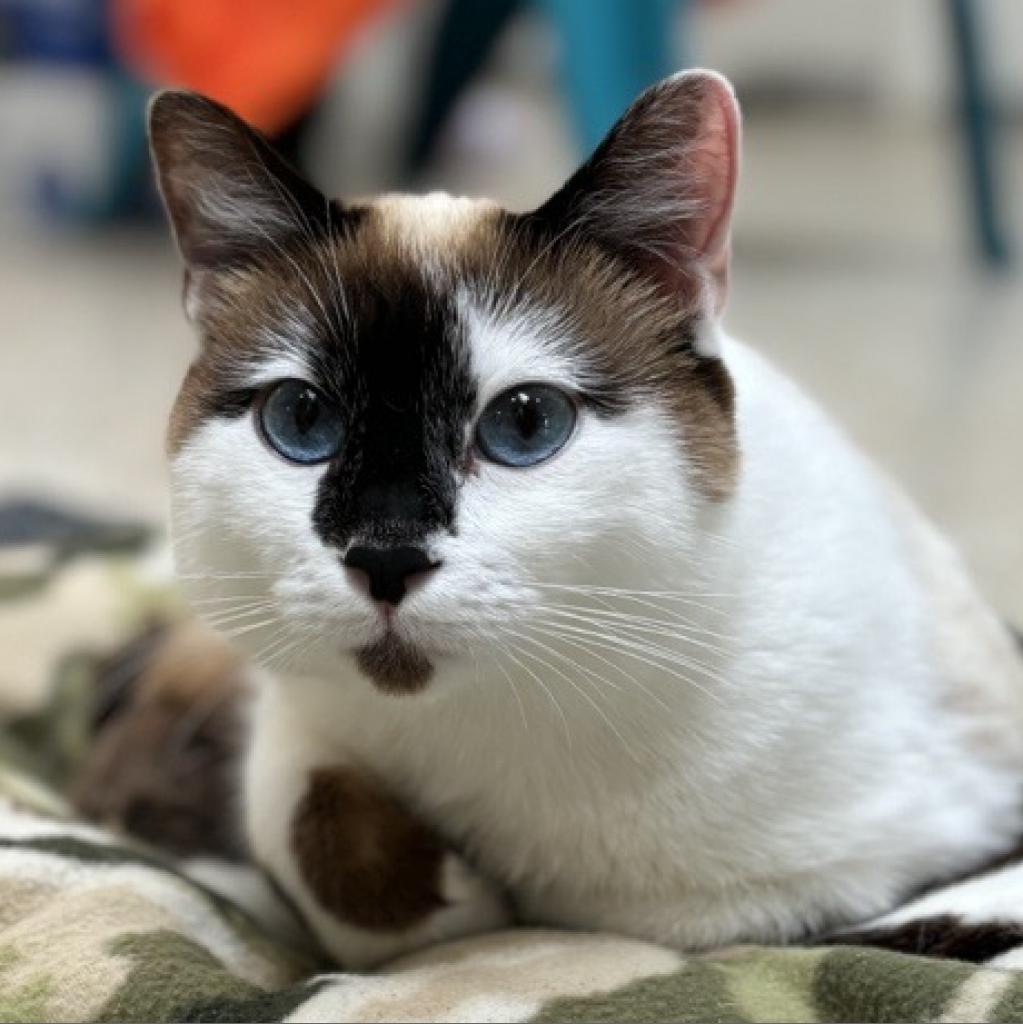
x,y
829,520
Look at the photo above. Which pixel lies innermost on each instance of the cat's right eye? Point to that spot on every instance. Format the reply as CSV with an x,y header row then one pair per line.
x,y
300,423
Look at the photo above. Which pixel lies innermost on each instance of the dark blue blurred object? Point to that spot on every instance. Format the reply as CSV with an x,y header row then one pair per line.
x,y
72,32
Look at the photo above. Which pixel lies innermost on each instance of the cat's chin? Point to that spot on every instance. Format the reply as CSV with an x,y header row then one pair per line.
x,y
394,665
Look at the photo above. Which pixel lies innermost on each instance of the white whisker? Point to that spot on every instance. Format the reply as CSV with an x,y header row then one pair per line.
x,y
547,690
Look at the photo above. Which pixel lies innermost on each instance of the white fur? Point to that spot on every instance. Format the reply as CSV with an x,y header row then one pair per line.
x,y
817,715
513,349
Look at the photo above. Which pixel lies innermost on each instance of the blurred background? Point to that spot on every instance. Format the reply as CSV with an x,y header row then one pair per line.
x,y
877,244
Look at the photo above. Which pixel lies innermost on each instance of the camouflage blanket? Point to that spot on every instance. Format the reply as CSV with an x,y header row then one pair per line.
x,y
96,925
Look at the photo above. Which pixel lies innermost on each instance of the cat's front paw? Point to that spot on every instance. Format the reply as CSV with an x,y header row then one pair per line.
x,y
472,903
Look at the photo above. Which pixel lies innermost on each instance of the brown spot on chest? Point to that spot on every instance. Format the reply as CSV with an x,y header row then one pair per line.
x,y
363,856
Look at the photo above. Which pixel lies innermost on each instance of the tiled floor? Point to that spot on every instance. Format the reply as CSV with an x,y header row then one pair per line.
x,y
850,272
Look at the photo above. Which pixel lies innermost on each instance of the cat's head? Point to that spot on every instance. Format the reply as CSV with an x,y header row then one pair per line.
x,y
414,425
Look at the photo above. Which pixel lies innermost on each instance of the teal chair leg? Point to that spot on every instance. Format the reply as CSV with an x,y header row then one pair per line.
x,y
610,51
126,190
466,35
980,132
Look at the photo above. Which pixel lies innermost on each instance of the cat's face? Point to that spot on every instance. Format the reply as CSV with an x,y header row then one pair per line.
x,y
415,424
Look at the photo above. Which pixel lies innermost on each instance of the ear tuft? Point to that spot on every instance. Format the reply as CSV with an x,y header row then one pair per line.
x,y
228,193
660,188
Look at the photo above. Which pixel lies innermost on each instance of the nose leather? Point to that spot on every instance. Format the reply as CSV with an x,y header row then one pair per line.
x,y
388,569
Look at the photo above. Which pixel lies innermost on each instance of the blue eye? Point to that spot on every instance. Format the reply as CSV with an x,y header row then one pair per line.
x,y
525,425
300,423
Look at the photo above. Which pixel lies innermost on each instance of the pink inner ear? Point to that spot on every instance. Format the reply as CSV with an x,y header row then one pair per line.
x,y
659,189
713,162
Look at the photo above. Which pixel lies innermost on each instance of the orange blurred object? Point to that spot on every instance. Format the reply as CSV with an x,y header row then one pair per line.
x,y
267,59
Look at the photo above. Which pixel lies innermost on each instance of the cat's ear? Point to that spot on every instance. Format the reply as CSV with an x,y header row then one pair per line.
x,y
229,195
659,189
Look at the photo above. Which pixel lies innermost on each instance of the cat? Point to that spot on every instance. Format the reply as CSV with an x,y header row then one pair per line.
x,y
563,606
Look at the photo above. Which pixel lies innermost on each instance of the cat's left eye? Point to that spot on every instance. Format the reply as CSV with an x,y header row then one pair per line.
x,y
300,423
525,425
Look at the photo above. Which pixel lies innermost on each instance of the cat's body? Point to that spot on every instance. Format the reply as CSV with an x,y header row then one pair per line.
x,y
826,764
704,676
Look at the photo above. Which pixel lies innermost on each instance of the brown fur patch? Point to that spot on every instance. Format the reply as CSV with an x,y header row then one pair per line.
x,y
233,309
394,665
188,411
363,856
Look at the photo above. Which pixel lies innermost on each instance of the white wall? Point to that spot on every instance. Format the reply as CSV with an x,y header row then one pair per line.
x,y
896,49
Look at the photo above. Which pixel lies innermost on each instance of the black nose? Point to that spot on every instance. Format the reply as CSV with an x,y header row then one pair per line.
x,y
387,570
